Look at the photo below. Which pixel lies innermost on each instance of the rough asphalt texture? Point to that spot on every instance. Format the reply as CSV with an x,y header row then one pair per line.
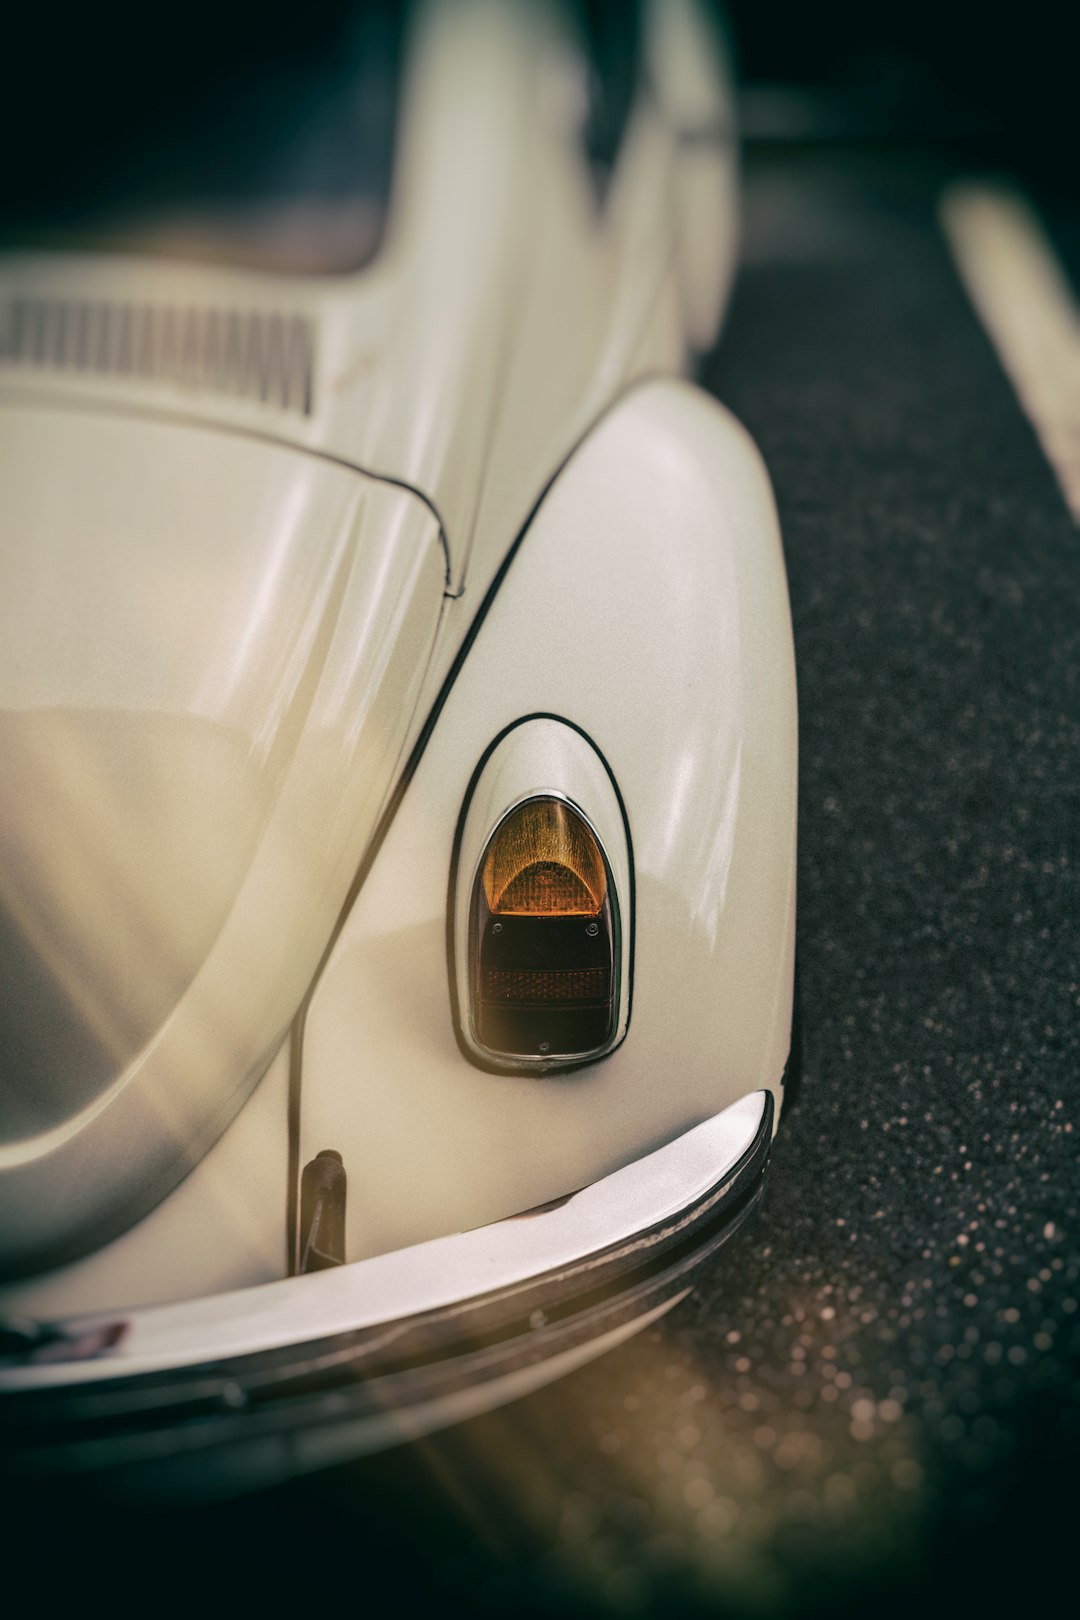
x,y
872,1400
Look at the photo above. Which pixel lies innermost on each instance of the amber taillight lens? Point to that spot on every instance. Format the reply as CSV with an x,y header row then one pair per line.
x,y
543,937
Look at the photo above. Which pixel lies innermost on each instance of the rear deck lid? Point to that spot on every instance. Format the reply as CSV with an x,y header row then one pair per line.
x,y
210,651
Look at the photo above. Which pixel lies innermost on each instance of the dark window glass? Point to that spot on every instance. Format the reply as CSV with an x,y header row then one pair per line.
x,y
239,141
611,33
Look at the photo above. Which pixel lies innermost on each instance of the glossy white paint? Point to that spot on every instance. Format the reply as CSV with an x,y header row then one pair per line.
x,y
647,605
224,1227
691,78
538,758
389,1289
210,650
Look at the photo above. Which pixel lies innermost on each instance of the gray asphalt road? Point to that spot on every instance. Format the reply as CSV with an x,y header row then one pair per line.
x,y
873,1398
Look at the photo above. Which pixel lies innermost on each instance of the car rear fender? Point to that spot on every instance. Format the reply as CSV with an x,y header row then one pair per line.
x,y
645,608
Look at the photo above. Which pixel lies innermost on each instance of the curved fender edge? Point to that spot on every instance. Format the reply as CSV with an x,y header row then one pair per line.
x,y
646,606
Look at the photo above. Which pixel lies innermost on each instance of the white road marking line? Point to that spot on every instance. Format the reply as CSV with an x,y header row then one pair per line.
x,y
1024,300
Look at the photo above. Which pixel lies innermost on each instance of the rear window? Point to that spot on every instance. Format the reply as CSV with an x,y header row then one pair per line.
x,y
209,141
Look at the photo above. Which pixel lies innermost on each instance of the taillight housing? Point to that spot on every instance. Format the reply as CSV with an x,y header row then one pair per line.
x,y
542,921
543,933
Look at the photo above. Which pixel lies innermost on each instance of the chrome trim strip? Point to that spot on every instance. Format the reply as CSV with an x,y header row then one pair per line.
x,y
451,1286
241,1443
223,1425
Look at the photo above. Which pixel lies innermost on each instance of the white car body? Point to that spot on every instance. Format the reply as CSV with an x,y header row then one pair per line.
x,y
263,632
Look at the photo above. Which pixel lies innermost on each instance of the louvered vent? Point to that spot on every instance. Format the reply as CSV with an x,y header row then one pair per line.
x,y
252,355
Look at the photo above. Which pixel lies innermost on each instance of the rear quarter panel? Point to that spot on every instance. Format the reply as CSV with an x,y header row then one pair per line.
x,y
647,605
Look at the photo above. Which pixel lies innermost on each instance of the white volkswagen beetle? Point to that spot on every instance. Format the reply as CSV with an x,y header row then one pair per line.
x,y
398,789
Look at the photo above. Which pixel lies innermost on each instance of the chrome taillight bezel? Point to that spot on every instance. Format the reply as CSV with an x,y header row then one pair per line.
x,y
542,758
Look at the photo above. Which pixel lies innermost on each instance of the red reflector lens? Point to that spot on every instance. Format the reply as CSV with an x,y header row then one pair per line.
x,y
569,984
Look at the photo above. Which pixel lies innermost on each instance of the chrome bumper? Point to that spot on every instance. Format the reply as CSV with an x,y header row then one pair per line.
x,y
239,1390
